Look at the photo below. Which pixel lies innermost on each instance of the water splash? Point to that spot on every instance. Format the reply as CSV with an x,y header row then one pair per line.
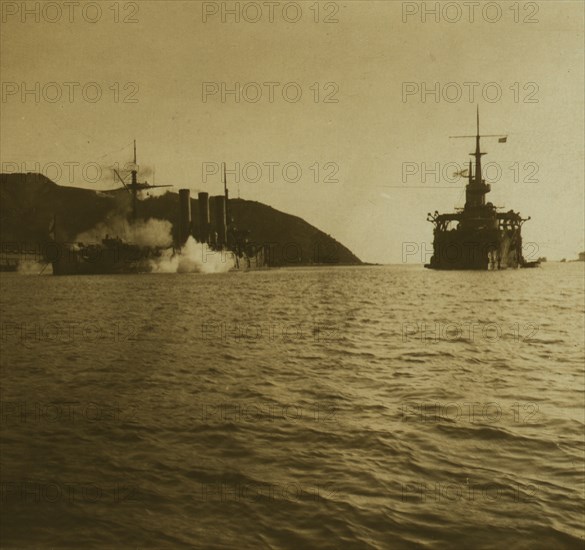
x,y
193,257
33,267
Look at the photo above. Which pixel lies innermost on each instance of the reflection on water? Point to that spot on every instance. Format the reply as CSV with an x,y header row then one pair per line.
x,y
342,407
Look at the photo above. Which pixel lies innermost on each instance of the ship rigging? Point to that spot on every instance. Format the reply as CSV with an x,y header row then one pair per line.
x,y
477,236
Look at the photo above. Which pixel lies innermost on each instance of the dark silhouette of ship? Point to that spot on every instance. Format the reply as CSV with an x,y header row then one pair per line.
x,y
477,236
114,255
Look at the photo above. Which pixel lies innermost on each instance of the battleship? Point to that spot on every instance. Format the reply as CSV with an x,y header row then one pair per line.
x,y
114,255
477,236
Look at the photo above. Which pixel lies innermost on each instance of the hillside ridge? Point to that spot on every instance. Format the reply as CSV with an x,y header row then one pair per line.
x,y
28,203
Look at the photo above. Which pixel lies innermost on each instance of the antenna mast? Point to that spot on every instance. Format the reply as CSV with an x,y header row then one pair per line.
x,y
225,191
478,154
134,184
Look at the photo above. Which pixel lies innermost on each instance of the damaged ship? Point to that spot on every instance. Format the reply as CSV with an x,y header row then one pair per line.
x,y
216,229
477,236
215,233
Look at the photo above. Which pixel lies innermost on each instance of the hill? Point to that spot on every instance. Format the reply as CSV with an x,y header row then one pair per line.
x,y
29,201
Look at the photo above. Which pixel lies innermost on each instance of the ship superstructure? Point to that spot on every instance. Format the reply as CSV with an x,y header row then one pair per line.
x,y
215,228
114,255
477,236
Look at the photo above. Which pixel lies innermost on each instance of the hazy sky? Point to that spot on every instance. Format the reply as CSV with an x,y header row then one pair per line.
x,y
353,129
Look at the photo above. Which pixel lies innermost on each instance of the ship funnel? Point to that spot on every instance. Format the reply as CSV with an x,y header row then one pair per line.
x,y
184,215
204,220
220,219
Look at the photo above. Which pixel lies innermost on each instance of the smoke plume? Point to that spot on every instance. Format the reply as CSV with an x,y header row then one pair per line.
x,y
193,257
153,232
32,267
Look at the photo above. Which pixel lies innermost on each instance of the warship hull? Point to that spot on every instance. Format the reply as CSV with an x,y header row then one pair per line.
x,y
108,259
477,236
223,246
487,250
102,259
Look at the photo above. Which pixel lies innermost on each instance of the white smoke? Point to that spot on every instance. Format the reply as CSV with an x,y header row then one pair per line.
x,y
153,232
33,267
193,257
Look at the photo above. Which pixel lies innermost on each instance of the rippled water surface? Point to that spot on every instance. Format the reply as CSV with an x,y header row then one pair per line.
x,y
373,407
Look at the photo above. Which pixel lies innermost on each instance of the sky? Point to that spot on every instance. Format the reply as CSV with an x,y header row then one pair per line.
x,y
328,118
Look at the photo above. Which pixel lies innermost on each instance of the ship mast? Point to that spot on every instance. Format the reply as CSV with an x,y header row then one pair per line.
x,y
134,185
478,154
476,189
225,191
